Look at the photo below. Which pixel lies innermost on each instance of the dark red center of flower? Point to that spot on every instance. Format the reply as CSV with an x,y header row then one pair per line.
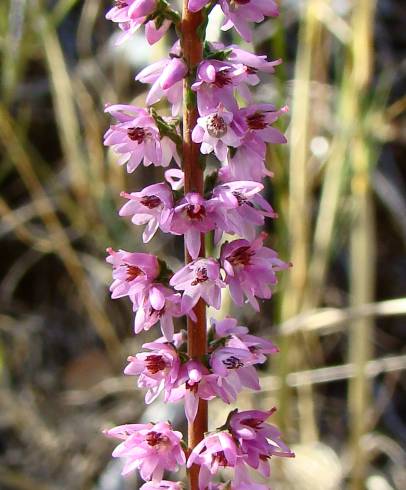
x,y
232,362
136,134
155,363
220,458
192,387
241,2
216,126
120,4
200,276
241,199
251,71
158,313
196,212
133,272
241,256
257,121
222,79
150,202
154,438
251,422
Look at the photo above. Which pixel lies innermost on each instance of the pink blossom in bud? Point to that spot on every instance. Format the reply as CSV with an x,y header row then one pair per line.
x,y
193,216
152,206
156,303
226,327
150,448
215,451
240,13
216,132
130,15
162,485
242,207
250,269
248,163
132,272
258,440
215,84
199,279
136,138
175,178
166,77
157,370
253,62
194,383
196,5
153,33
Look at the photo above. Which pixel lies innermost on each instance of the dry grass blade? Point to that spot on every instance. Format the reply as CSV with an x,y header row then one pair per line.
x,y
64,106
62,245
329,320
362,248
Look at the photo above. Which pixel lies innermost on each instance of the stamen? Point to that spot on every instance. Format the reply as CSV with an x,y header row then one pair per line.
x,y
233,363
257,121
241,256
150,202
136,134
155,363
216,126
133,272
196,211
200,276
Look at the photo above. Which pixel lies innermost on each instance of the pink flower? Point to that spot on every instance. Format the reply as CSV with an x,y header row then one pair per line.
x,y
234,71
156,303
130,15
236,366
250,269
215,451
239,337
199,279
258,440
248,163
166,77
193,385
132,272
252,62
150,448
192,216
152,206
216,132
162,485
136,138
242,207
239,13
158,370
215,84
257,120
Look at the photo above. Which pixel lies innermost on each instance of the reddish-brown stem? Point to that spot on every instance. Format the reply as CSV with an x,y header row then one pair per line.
x,y
194,182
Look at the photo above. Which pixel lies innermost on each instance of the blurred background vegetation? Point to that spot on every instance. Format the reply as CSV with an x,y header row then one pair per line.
x,y
338,315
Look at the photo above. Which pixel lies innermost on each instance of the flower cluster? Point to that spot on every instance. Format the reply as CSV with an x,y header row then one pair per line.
x,y
246,440
235,131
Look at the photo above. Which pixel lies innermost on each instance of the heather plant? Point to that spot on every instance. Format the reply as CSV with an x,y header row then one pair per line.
x,y
209,83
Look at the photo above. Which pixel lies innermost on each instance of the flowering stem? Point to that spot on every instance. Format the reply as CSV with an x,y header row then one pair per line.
x,y
194,182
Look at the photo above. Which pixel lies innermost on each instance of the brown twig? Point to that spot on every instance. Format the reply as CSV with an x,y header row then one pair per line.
x,y
197,340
